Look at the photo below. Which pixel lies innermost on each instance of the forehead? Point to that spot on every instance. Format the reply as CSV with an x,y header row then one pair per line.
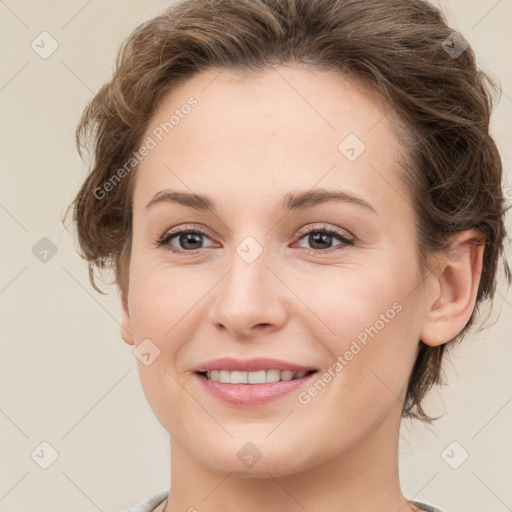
x,y
285,127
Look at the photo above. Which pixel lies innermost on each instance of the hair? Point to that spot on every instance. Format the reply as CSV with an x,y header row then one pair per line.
x,y
395,47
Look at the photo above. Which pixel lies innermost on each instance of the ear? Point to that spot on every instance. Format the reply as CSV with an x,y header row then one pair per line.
x,y
452,296
126,324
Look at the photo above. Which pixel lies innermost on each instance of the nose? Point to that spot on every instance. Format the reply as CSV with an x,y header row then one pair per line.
x,y
249,299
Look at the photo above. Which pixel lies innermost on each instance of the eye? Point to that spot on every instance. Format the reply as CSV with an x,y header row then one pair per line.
x,y
188,238
320,237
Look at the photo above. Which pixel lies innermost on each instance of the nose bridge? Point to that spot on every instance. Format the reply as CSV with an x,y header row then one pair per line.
x,y
247,277
248,296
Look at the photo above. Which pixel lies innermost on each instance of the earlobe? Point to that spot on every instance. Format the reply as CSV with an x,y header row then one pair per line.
x,y
451,304
126,325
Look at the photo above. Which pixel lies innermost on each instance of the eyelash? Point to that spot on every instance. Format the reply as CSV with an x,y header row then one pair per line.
x,y
168,236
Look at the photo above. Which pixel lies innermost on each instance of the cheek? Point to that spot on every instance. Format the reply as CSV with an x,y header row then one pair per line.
x,y
366,381
161,311
164,302
371,333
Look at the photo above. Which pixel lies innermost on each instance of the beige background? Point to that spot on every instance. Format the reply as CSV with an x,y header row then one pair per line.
x,y
68,379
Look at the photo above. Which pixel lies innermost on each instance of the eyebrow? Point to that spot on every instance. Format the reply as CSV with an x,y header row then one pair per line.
x,y
291,201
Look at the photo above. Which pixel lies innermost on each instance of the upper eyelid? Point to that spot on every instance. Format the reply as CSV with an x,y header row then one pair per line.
x,y
339,231
303,230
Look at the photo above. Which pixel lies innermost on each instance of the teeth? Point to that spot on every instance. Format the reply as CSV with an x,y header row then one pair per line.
x,y
260,377
257,377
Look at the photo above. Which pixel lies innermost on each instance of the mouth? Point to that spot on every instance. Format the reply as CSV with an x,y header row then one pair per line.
x,y
254,382
247,389
257,377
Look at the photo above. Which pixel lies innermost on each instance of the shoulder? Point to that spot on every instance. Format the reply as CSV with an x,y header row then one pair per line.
x,y
426,507
150,503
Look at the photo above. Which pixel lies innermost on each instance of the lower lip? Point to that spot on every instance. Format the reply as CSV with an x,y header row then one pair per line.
x,y
247,395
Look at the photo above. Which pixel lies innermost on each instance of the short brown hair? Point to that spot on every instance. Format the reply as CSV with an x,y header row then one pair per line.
x,y
400,48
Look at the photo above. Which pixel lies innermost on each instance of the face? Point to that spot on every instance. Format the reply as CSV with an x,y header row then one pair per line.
x,y
253,271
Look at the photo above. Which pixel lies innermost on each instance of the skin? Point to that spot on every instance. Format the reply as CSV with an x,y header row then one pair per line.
x,y
249,142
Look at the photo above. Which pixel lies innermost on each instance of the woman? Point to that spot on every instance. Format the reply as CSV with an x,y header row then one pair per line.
x,y
301,201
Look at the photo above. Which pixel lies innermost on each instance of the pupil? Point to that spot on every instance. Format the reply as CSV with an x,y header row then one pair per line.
x,y
185,239
322,236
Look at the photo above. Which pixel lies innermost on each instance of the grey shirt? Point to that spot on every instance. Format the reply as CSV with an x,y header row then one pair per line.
x,y
149,504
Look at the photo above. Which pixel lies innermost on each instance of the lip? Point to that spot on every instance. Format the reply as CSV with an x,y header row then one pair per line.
x,y
251,395
251,365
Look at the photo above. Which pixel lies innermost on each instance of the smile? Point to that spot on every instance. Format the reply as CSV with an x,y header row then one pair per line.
x,y
253,382
259,377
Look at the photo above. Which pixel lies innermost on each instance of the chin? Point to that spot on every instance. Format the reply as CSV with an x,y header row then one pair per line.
x,y
260,459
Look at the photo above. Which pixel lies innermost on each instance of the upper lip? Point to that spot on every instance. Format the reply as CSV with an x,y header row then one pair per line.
x,y
251,365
